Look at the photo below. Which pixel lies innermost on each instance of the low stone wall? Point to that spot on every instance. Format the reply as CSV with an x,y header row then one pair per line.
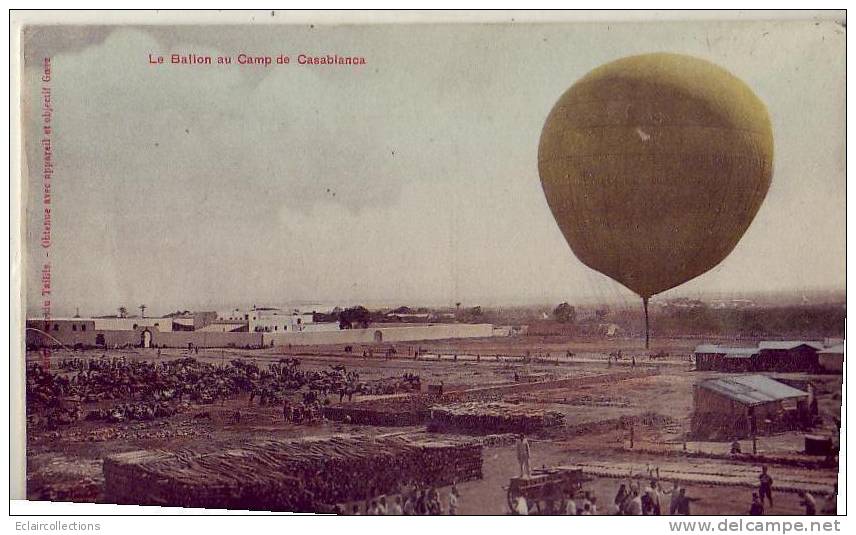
x,y
208,339
371,335
381,334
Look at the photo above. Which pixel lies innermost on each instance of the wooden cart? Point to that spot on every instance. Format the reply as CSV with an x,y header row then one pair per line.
x,y
547,488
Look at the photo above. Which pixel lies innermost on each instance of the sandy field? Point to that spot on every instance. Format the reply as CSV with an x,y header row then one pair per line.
x,y
64,463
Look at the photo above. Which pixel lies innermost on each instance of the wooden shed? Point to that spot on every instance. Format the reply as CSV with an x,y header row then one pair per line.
x,y
788,356
743,405
731,359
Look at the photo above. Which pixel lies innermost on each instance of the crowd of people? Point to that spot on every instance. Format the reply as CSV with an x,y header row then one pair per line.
x,y
413,500
569,503
654,499
651,498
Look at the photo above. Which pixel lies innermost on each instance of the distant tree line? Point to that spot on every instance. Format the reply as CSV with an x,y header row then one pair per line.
x,y
815,321
798,321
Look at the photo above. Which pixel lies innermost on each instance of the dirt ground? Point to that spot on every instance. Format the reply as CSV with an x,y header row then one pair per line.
x,y
65,464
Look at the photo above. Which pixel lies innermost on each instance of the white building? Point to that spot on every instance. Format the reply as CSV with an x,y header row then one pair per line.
x,y
131,323
272,319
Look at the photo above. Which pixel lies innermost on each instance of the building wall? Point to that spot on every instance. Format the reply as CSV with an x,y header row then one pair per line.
x,y
738,364
718,417
708,361
802,358
112,338
321,327
207,339
69,332
387,334
122,338
279,322
706,400
273,320
181,339
128,324
223,327
721,362
831,362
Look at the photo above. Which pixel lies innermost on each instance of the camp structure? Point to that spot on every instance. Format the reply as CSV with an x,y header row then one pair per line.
x,y
831,359
743,406
717,358
789,356
768,356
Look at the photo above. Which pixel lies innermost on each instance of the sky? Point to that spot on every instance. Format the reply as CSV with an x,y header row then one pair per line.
x,y
409,180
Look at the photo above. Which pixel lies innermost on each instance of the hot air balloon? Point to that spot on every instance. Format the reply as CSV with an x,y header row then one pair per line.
x,y
654,167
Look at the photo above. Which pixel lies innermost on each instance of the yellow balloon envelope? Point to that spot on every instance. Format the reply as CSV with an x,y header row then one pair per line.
x,y
654,167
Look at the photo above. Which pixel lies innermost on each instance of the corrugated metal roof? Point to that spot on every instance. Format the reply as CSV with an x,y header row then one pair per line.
x,y
744,352
789,344
752,389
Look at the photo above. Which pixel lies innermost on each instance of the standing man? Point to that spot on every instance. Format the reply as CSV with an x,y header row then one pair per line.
x,y
453,500
523,455
676,498
653,498
286,410
570,504
620,498
765,488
